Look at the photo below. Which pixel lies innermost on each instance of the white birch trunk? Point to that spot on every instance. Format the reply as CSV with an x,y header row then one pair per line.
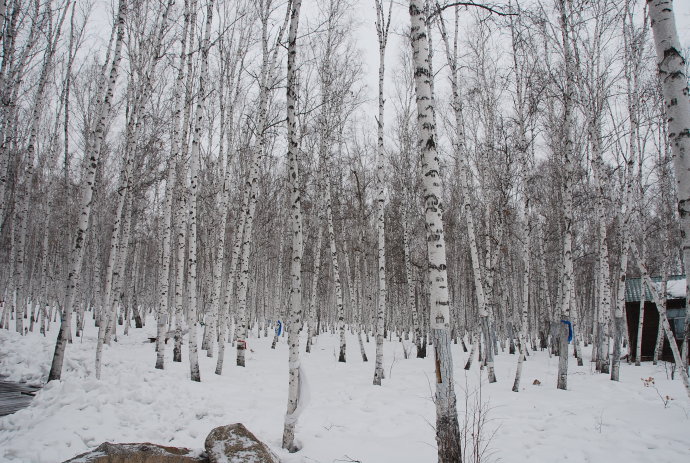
x,y
43,298
221,312
660,302
632,39
183,181
117,249
411,305
463,166
353,297
619,323
24,191
525,284
94,151
340,312
116,263
232,276
359,311
447,428
165,274
14,64
640,324
267,78
659,346
224,315
181,246
382,26
294,383
314,288
604,302
568,274
278,293
674,84
242,316
200,125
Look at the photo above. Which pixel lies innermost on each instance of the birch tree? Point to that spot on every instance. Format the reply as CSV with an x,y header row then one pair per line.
x,y
17,56
672,72
336,76
382,27
526,73
200,125
595,89
633,43
314,285
165,271
185,78
660,303
463,174
93,152
567,122
142,63
294,373
232,276
447,428
24,191
268,69
232,74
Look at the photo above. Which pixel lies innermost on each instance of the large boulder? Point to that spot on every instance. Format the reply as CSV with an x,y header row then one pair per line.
x,y
236,444
139,453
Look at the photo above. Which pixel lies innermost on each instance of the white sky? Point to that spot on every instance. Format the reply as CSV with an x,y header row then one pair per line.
x,y
366,33
366,39
368,43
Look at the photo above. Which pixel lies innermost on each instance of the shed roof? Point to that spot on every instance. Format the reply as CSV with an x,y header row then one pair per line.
x,y
675,288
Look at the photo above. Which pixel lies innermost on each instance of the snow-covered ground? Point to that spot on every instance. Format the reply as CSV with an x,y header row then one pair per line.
x,y
347,418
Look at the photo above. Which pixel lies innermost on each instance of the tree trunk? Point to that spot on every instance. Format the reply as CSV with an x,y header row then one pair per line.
x,y
447,428
165,274
568,274
638,347
336,268
183,183
200,125
411,304
294,384
382,31
267,70
232,276
314,287
463,168
94,151
674,83
660,302
525,283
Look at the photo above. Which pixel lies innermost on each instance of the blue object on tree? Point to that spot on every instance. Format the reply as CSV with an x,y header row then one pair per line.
x,y
279,328
570,329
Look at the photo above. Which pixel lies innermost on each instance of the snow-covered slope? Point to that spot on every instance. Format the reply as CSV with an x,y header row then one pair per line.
x,y
347,418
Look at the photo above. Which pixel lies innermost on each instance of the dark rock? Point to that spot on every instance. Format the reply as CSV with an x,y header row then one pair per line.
x,y
139,453
236,444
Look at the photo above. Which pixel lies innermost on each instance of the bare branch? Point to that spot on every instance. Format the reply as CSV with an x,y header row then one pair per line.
x,y
493,9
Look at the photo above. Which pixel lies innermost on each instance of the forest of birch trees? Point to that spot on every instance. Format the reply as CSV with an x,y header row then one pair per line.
x,y
218,167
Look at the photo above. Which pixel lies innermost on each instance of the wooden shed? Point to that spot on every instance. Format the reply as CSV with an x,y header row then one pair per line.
x,y
675,309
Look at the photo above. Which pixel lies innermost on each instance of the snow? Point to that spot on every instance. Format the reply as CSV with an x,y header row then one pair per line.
x,y
675,289
347,418
303,396
241,456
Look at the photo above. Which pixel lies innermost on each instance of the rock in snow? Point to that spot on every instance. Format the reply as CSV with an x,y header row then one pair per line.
x,y
138,453
236,444
233,443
